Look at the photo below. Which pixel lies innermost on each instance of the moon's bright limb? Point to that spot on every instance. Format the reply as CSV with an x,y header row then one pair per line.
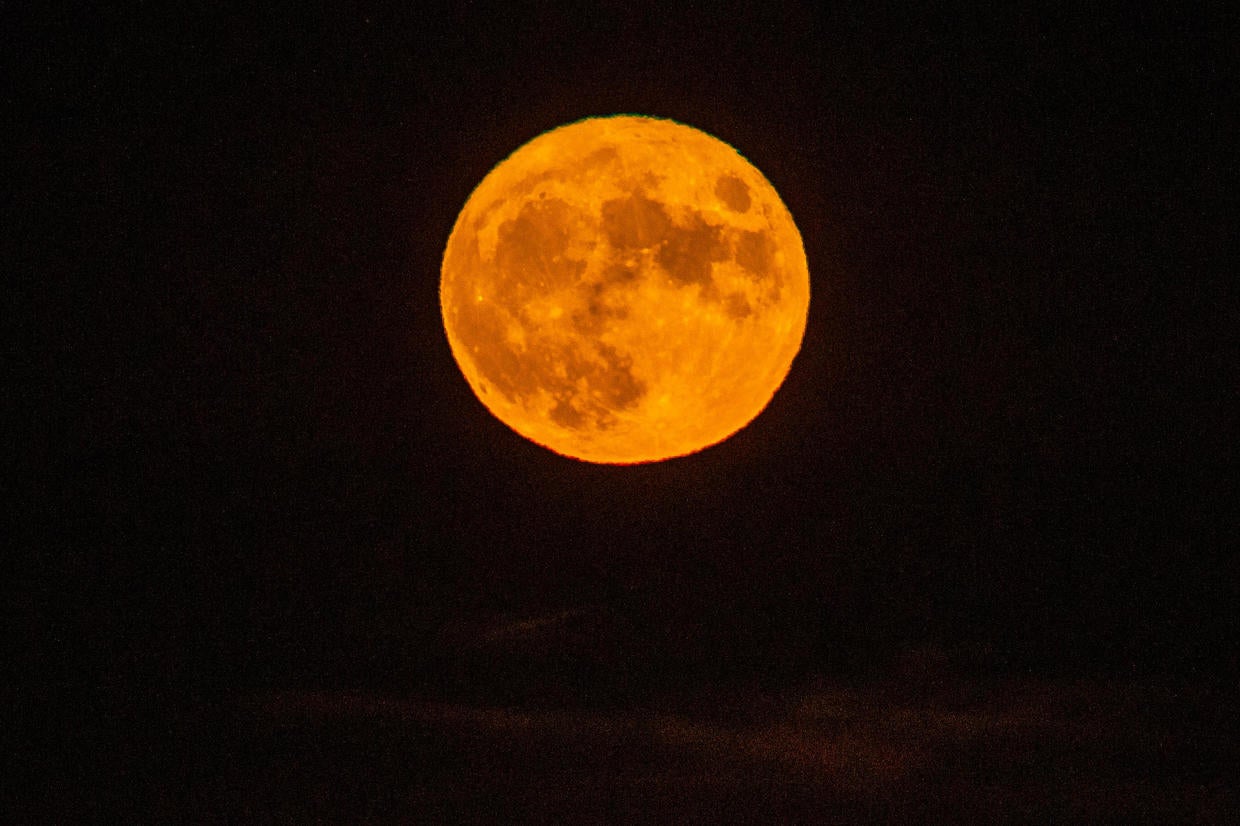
x,y
625,289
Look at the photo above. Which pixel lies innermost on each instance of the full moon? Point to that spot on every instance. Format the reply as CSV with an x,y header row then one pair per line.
x,y
625,289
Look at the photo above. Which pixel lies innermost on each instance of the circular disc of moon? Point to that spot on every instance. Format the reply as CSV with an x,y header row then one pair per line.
x,y
625,289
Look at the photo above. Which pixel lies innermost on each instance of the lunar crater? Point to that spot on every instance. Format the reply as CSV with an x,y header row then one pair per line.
x,y
733,192
689,251
635,223
534,244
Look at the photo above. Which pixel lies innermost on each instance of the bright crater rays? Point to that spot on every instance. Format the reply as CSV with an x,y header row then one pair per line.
x,y
625,290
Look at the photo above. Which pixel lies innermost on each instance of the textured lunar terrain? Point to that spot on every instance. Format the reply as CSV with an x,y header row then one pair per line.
x,y
625,289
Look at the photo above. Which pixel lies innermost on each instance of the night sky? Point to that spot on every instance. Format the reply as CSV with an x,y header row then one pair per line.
x,y
1009,440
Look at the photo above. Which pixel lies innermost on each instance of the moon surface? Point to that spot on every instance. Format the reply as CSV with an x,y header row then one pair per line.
x,y
625,289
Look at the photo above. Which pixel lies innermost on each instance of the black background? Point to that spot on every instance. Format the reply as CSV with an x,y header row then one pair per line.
x,y
1010,435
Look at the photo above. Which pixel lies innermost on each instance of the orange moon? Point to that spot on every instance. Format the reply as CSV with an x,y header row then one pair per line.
x,y
625,289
